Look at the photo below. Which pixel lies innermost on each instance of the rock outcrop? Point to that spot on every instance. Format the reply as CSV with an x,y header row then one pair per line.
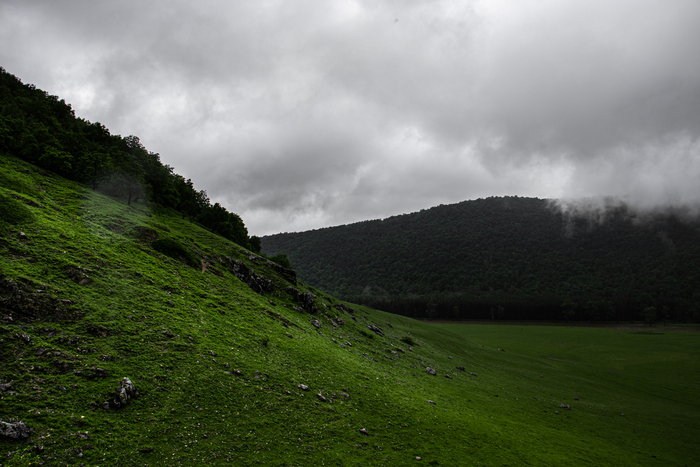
x,y
14,429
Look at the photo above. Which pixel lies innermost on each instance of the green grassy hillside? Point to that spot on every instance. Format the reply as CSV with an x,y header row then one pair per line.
x,y
220,349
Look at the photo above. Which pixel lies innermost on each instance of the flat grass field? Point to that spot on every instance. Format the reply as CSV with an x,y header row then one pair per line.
x,y
638,389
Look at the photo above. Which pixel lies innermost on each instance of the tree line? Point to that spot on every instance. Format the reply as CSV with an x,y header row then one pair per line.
x,y
508,258
43,130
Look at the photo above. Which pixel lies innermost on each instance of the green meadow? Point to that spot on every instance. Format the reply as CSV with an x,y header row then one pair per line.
x,y
636,388
94,290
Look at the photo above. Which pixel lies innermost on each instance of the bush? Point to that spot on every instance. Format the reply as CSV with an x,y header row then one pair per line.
x,y
12,212
172,248
408,340
282,260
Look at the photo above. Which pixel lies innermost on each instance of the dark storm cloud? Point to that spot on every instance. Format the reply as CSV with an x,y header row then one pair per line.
x,y
309,113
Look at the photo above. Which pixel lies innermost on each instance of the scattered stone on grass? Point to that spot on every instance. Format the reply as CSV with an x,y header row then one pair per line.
x,y
376,329
473,374
345,308
432,402
563,406
316,323
430,371
321,397
364,432
460,368
448,376
303,387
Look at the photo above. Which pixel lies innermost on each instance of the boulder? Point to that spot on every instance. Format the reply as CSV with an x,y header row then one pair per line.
x,y
305,299
14,429
430,371
6,386
124,393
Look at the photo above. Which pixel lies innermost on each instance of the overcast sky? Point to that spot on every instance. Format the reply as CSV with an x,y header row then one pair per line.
x,y
303,114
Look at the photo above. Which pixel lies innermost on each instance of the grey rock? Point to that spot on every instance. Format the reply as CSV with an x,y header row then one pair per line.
x,y
376,329
14,429
343,307
460,368
125,392
254,280
303,387
364,432
316,323
430,371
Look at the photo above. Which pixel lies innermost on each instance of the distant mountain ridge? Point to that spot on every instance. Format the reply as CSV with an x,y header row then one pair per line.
x,y
511,252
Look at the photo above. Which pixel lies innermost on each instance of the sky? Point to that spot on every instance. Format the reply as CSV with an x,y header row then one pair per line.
x,y
301,114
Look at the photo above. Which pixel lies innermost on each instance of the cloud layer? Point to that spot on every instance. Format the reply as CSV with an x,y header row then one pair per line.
x,y
303,114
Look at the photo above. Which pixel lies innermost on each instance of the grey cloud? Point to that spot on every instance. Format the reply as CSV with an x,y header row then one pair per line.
x,y
309,113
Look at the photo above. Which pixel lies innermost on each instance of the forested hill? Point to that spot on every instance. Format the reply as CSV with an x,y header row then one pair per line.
x,y
42,129
507,257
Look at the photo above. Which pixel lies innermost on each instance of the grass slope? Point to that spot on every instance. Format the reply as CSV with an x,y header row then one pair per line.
x,y
218,366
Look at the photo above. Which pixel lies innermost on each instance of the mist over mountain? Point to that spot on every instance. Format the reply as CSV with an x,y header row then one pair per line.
x,y
512,257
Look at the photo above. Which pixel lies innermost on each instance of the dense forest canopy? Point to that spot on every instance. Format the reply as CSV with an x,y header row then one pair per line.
x,y
43,129
508,258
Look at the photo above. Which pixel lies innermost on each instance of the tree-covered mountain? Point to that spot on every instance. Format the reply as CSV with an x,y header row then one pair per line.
x,y
508,257
43,130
